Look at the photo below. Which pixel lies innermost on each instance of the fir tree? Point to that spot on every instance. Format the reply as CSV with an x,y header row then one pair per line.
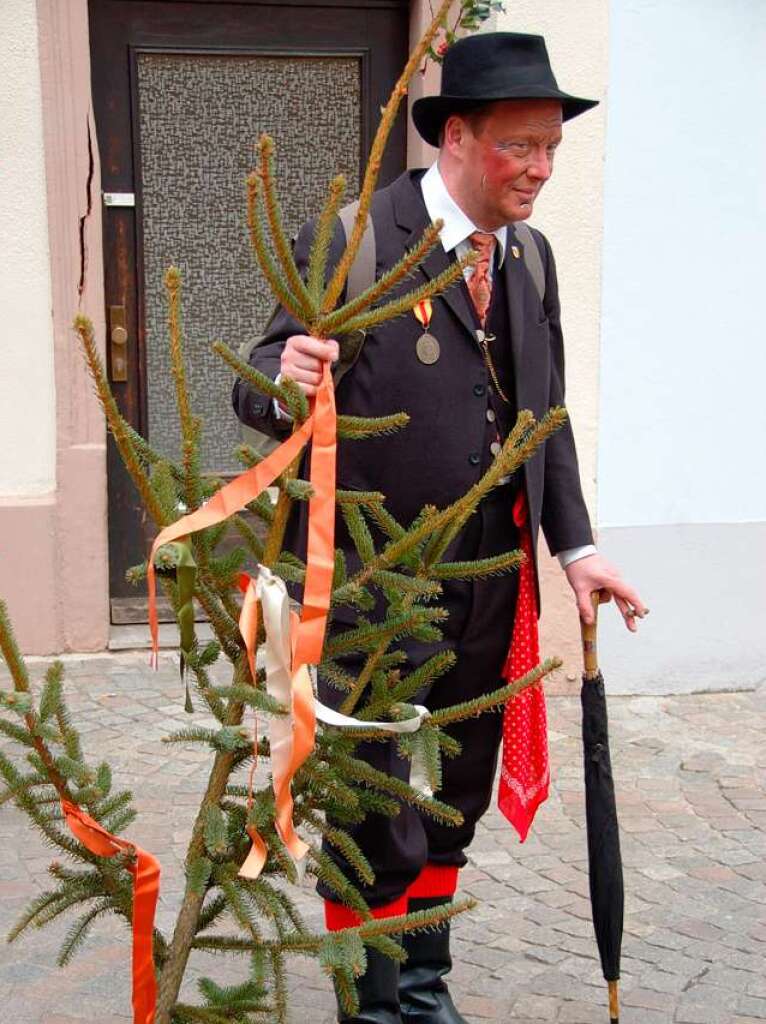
x,y
260,919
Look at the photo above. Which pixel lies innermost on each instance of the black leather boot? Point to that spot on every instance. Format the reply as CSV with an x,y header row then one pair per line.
x,y
378,992
423,994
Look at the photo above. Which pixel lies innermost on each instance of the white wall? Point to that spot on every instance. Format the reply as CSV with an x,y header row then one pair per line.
x,y
569,210
683,359
27,396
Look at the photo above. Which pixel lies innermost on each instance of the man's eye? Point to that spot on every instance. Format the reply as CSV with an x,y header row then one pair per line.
x,y
519,148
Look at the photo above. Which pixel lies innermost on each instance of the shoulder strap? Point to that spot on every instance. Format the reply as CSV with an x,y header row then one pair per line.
x,y
361,276
362,272
532,259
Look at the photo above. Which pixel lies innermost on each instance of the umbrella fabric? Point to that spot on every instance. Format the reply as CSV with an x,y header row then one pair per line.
x,y
605,863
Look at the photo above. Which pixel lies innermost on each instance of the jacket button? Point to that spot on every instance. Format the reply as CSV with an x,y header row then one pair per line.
x,y
474,458
479,390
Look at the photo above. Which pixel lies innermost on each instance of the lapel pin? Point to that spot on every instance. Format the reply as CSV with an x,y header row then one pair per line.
x,y
516,251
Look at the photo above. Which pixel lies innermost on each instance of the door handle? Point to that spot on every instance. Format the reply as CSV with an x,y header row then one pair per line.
x,y
118,339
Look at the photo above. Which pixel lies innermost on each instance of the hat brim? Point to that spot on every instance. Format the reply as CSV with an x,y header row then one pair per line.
x,y
430,112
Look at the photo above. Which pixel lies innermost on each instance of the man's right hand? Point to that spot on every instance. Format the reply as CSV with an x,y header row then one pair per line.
x,y
302,359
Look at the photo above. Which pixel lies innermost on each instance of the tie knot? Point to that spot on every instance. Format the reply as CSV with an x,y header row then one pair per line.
x,y
484,243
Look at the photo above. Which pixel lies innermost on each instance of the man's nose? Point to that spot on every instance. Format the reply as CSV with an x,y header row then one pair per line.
x,y
541,166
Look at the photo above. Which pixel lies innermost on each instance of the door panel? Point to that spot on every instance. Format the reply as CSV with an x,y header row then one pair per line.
x,y
182,92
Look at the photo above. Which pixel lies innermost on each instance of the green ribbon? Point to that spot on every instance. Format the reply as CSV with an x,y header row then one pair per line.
x,y
186,572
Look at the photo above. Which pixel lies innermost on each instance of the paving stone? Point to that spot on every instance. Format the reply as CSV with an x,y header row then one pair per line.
x,y
691,785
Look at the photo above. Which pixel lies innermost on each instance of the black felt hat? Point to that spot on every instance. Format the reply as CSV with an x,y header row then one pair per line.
x,y
492,66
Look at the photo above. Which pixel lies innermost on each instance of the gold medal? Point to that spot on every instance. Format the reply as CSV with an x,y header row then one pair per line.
x,y
428,349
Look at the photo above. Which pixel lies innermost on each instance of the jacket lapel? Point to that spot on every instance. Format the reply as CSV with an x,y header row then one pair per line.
x,y
515,271
412,217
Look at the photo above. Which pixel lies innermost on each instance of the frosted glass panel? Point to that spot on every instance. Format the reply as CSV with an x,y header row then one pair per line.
x,y
199,117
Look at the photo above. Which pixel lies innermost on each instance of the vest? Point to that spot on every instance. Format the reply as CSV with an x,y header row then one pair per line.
x,y
500,415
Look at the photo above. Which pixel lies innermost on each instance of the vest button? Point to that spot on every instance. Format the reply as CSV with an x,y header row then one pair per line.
x,y
491,415
479,390
495,447
474,458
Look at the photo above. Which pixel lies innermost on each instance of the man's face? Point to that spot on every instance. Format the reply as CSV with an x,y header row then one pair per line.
x,y
505,157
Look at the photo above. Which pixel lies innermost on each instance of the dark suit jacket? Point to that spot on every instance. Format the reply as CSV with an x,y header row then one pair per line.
x,y
433,461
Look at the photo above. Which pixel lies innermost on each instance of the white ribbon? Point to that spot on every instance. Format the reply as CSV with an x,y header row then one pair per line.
x,y
277,659
275,602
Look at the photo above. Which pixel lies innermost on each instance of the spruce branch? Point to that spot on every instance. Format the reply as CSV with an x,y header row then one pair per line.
x,y
497,698
279,286
481,568
320,245
252,541
254,377
370,776
335,322
423,677
525,438
130,457
358,498
342,841
403,304
190,426
282,246
375,159
357,428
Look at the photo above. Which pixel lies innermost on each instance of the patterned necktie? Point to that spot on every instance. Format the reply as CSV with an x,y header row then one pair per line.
x,y
480,283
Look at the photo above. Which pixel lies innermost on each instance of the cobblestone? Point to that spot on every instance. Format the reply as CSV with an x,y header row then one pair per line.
x,y
691,782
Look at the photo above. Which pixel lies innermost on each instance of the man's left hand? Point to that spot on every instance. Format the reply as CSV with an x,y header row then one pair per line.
x,y
594,573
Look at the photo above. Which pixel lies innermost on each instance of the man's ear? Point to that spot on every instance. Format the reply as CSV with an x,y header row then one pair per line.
x,y
454,133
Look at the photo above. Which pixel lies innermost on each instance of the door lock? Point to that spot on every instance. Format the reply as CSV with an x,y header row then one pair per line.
x,y
118,337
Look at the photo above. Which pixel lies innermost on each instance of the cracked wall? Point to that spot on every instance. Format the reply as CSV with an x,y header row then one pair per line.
x,y
53,497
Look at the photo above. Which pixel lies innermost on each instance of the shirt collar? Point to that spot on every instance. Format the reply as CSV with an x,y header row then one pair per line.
x,y
457,226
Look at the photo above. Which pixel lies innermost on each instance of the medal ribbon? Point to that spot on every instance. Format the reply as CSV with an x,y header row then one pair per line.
x,y
423,311
525,772
146,882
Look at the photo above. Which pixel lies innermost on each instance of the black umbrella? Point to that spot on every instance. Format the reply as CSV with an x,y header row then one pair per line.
x,y
607,895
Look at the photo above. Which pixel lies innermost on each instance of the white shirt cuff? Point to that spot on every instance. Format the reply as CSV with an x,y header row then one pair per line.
x,y
575,554
279,412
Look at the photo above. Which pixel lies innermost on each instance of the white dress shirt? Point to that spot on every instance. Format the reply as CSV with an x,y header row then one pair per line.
x,y
455,235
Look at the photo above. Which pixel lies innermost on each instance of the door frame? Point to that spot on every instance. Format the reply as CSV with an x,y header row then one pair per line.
x,y
124,240
74,580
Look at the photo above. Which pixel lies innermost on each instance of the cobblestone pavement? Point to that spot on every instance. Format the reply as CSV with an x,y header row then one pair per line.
x,y
691,774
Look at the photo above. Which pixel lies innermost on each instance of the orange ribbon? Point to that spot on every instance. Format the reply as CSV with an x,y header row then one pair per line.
x,y
146,884
287,756
226,502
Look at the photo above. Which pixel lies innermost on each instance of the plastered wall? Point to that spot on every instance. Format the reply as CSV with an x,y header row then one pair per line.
x,y
27,394
683,359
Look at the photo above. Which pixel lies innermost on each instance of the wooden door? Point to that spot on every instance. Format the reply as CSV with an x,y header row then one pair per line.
x,y
181,92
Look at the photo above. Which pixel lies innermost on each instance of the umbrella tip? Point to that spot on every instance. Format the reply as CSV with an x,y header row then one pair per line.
x,y
614,1004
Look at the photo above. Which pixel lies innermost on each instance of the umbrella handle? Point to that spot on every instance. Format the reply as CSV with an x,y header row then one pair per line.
x,y
588,632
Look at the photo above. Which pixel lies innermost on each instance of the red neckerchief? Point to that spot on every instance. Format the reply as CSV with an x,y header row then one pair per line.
x,y
525,771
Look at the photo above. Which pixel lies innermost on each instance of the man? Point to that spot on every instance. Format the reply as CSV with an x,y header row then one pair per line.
x,y
497,123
